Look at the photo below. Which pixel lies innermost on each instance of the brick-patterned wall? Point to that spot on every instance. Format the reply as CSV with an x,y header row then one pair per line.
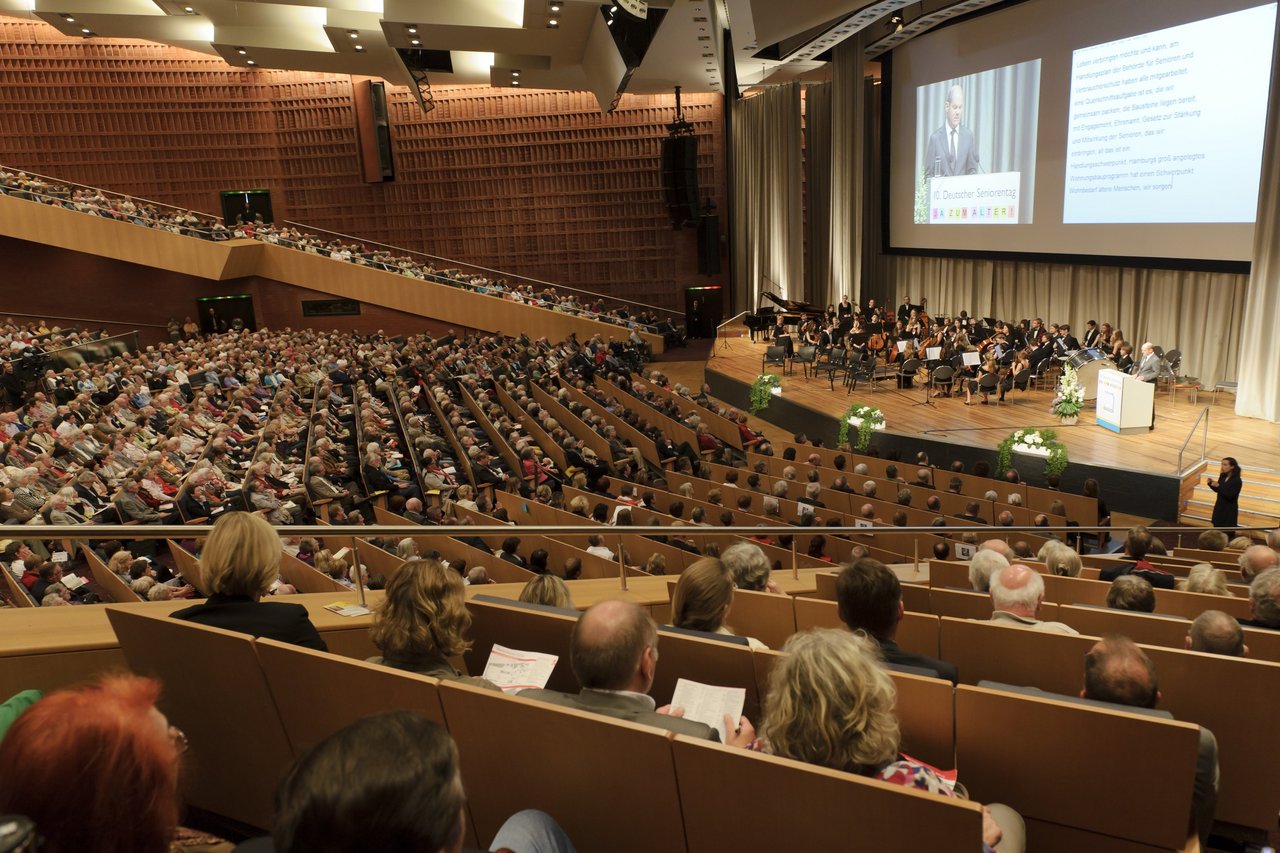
x,y
534,183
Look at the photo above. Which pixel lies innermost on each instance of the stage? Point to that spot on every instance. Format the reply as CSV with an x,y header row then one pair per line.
x,y
810,405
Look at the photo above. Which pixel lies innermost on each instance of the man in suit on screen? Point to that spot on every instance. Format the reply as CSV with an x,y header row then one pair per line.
x,y
951,148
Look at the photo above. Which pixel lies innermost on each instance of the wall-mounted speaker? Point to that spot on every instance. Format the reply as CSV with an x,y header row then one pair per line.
x,y
373,131
680,179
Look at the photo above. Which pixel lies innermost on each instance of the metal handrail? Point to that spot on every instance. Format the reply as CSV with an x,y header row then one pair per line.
x,y
83,320
457,263
67,183
51,353
1204,444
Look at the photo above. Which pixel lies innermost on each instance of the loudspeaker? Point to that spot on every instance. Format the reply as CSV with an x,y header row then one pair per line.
x,y
680,179
373,131
709,244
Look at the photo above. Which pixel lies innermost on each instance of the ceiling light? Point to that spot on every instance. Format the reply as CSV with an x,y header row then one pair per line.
x,y
412,30
515,73
553,23
609,22
69,19
353,34
241,51
555,7
359,48
85,30
515,82
415,42
189,10
251,62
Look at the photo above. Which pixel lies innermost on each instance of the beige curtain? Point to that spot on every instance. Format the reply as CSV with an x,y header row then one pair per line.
x,y
768,239
1259,393
848,191
1196,313
817,192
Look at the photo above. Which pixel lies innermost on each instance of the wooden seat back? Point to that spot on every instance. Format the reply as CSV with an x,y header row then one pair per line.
x,y
216,693
840,811
610,784
318,693
111,584
768,617
188,566
305,578
1045,758
521,628
17,592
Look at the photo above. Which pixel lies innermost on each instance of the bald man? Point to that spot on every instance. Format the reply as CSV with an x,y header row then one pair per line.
x,y
1216,633
613,652
1016,595
1256,559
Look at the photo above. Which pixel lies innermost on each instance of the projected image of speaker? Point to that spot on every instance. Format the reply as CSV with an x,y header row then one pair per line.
x,y
680,179
246,206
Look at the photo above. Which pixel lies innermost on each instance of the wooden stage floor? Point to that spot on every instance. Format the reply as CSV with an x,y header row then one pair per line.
x,y
1253,442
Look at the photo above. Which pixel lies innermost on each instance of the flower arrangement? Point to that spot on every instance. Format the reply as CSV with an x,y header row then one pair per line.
x,y
1036,442
865,418
1070,400
921,211
762,389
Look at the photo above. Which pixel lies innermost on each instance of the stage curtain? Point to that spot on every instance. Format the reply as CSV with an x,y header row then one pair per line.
x,y
847,194
1197,313
1258,395
768,239
817,192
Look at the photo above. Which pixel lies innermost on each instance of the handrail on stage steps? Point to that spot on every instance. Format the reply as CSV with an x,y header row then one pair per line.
x,y
1204,443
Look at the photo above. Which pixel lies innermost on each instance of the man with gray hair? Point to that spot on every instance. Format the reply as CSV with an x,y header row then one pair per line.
x,y
869,489
1016,594
1216,633
750,567
1264,601
981,567
1255,560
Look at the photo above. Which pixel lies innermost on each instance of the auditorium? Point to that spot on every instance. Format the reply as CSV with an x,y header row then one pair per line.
x,y
419,429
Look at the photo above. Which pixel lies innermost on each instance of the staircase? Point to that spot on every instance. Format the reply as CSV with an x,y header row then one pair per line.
x,y
1259,499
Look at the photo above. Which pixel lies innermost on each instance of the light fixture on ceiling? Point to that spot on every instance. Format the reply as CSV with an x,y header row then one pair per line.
x,y
553,23
190,10
515,82
415,42
85,30
411,29
355,34
251,62
555,7
897,23
68,19
515,73
359,48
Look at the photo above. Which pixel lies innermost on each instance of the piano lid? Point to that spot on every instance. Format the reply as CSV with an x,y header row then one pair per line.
x,y
792,305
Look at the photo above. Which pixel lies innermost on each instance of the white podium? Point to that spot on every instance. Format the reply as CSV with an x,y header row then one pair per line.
x,y
1125,404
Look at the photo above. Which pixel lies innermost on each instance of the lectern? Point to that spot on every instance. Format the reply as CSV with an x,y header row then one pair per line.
x,y
1125,404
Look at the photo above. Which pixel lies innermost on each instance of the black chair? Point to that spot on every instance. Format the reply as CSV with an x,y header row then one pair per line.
x,y
1020,380
837,363
775,354
989,383
805,356
907,372
863,368
942,378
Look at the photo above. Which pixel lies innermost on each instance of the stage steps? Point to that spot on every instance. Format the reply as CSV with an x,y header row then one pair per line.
x,y
1259,500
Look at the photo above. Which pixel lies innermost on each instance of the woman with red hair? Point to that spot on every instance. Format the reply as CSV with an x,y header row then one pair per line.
x,y
96,768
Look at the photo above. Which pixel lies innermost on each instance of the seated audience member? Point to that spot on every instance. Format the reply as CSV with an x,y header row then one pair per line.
x,y
613,652
829,703
1264,600
423,622
391,781
1129,592
1216,633
240,562
982,565
1212,540
750,567
1137,544
1205,578
1060,559
1118,672
703,597
1239,543
869,595
547,589
1256,559
1016,595
108,743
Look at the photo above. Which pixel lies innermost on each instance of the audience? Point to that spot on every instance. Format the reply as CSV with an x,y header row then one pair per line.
x,y
703,597
239,564
1217,633
547,589
1129,592
830,704
1016,595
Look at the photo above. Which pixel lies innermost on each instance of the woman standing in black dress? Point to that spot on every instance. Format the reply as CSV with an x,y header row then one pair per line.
x,y
1227,508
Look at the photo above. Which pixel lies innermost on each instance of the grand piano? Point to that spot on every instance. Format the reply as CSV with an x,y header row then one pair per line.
x,y
766,315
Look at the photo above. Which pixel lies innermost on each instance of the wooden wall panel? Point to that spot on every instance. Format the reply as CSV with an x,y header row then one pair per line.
x,y
535,183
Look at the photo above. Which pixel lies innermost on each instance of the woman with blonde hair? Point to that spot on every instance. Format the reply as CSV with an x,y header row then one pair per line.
x,y
830,703
703,598
547,589
423,622
1205,578
337,568
1060,559
240,564
407,548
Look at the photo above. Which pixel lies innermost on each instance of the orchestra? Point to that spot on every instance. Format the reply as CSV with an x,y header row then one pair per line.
x,y
973,346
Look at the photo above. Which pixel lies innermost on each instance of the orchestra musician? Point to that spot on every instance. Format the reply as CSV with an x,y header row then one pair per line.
x,y
906,310
1091,334
845,308
987,368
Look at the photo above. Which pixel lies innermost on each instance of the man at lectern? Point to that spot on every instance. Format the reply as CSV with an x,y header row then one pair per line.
x,y
951,150
1148,367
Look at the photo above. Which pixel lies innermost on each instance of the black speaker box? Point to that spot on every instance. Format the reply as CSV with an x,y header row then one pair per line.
x,y
680,179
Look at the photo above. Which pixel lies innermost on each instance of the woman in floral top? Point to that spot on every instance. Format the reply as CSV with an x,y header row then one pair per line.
x,y
830,703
